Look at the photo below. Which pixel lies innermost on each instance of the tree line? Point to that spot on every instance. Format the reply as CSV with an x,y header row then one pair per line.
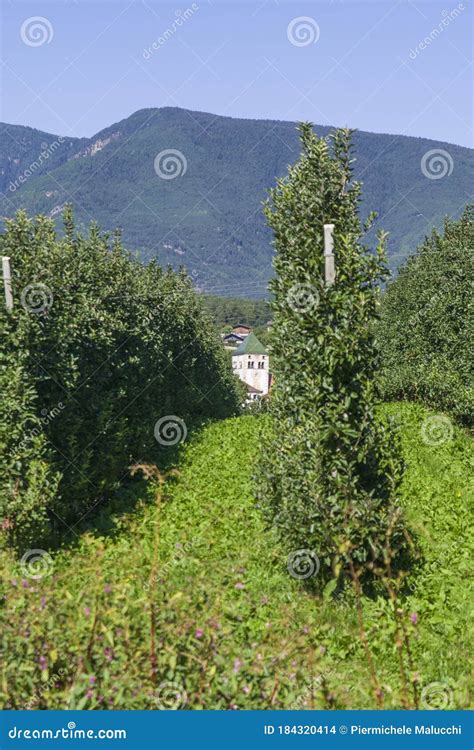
x,y
426,331
97,349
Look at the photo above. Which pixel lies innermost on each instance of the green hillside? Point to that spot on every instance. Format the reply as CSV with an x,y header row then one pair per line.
x,y
181,598
210,218
27,153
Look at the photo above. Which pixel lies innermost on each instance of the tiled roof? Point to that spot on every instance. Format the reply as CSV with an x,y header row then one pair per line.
x,y
250,345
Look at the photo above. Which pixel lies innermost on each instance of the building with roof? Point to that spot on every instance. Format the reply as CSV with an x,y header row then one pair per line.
x,y
251,364
232,340
241,330
235,336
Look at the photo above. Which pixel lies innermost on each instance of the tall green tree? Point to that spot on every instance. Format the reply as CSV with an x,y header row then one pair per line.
x,y
329,471
426,330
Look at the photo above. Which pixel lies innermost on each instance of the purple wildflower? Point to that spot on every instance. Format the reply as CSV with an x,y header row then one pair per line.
x,y
237,665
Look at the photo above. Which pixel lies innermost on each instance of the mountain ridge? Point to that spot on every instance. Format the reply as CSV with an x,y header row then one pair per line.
x,y
224,117
209,218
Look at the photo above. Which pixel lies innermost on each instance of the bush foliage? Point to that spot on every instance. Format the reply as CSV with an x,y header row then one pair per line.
x,y
96,350
426,330
329,473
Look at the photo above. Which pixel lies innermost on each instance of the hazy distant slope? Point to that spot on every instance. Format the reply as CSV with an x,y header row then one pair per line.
x,y
210,218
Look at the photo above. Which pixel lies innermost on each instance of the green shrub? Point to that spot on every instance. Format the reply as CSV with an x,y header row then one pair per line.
x,y
99,348
28,483
426,331
329,472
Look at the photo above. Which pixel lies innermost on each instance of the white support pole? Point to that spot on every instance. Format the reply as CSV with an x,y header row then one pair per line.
x,y
7,282
329,263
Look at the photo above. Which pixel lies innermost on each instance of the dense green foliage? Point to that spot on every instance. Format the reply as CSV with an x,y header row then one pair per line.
x,y
329,472
229,311
209,218
190,592
426,331
97,349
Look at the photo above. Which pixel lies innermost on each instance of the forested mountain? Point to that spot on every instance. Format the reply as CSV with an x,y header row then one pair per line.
x,y
209,216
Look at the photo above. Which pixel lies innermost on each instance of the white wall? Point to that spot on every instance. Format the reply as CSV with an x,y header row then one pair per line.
x,y
256,376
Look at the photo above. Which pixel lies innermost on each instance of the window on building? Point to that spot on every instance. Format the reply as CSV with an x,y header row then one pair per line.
x,y
250,365
261,365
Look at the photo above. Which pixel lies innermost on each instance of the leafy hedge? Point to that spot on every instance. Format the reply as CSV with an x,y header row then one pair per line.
x,y
96,350
426,330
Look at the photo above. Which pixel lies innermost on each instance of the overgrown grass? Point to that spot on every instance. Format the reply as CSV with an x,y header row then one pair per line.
x,y
188,602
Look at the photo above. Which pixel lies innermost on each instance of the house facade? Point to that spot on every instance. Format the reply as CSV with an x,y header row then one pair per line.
x,y
236,336
241,330
231,340
251,364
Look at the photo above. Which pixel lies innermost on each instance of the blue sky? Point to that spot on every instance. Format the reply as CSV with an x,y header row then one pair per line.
x,y
396,67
